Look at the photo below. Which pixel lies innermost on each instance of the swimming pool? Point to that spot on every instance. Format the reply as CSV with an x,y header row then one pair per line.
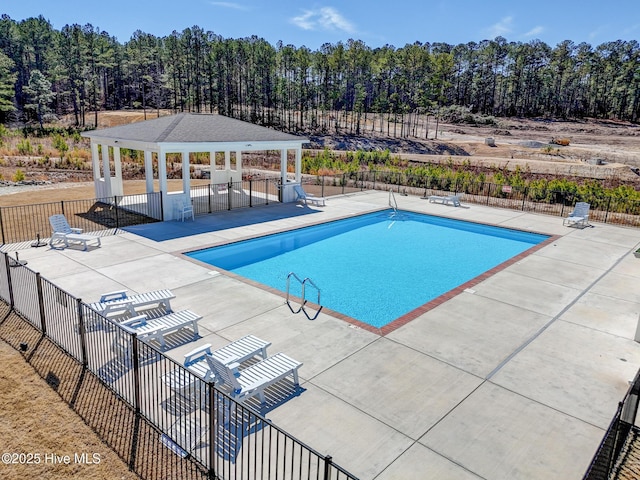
x,y
374,267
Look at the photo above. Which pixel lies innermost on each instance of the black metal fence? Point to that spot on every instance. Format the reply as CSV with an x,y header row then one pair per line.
x,y
604,462
604,209
226,196
28,222
199,423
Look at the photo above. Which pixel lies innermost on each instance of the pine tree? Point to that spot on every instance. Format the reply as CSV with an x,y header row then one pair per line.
x,y
40,96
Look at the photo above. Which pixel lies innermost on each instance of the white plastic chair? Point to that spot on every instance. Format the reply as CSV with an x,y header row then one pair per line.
x,y
186,211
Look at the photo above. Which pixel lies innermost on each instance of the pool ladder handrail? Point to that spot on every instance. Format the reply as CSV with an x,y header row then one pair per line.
x,y
392,202
304,283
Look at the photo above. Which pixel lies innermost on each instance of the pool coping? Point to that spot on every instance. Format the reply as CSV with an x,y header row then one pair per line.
x,y
394,324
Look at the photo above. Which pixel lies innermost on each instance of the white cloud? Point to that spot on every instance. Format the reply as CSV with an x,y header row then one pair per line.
x,y
534,32
235,6
325,18
500,29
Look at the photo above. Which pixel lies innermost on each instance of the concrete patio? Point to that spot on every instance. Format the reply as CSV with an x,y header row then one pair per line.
x,y
517,378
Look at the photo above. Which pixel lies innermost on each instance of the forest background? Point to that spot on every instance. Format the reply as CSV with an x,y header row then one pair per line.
x,y
56,83
82,70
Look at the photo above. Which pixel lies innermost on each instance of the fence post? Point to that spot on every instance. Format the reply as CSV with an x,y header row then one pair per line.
x,y
115,206
328,461
161,206
266,190
43,324
213,430
62,206
8,270
524,197
2,227
322,188
82,332
250,192
606,213
229,191
136,371
374,179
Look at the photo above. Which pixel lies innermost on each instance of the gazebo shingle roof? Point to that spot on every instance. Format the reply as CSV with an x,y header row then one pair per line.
x,y
194,127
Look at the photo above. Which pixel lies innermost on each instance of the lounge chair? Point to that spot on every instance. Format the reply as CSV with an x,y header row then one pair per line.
x,y
446,199
302,195
63,233
195,361
157,328
580,215
118,303
252,381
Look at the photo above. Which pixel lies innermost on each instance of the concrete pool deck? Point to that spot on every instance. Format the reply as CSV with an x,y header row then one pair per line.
x,y
516,378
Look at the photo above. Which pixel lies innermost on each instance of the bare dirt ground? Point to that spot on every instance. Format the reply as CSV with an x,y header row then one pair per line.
x,y
36,424
604,150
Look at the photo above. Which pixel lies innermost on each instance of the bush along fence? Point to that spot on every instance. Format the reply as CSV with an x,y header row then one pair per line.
x,y
199,430
604,209
26,223
607,461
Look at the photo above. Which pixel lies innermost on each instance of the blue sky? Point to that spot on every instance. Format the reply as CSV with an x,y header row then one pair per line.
x,y
374,22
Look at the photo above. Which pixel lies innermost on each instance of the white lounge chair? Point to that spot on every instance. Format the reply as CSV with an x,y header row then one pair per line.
x,y
157,328
118,303
446,199
580,215
63,233
195,361
252,381
302,195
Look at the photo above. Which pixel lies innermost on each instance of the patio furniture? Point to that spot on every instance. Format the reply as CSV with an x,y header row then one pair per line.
x,y
118,303
239,351
446,199
185,210
63,233
302,195
579,217
252,381
157,328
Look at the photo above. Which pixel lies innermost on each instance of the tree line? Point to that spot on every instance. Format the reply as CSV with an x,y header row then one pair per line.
x,y
81,70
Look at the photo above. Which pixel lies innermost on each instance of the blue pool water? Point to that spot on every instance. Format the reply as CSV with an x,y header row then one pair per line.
x,y
375,267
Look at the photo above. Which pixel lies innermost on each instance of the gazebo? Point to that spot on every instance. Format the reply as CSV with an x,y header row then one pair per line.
x,y
183,134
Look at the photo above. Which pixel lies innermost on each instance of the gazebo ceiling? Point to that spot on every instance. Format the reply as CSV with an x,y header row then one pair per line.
x,y
193,128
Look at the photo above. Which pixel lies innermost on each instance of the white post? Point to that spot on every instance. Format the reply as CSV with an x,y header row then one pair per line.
x,y
106,170
95,160
637,337
239,165
162,181
118,188
148,171
186,174
212,167
298,164
283,166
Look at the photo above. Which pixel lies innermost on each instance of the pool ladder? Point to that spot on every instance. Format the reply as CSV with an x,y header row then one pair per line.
x,y
304,283
392,203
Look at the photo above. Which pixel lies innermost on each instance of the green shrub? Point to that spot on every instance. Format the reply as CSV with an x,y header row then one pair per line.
x,y
18,176
24,147
60,144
